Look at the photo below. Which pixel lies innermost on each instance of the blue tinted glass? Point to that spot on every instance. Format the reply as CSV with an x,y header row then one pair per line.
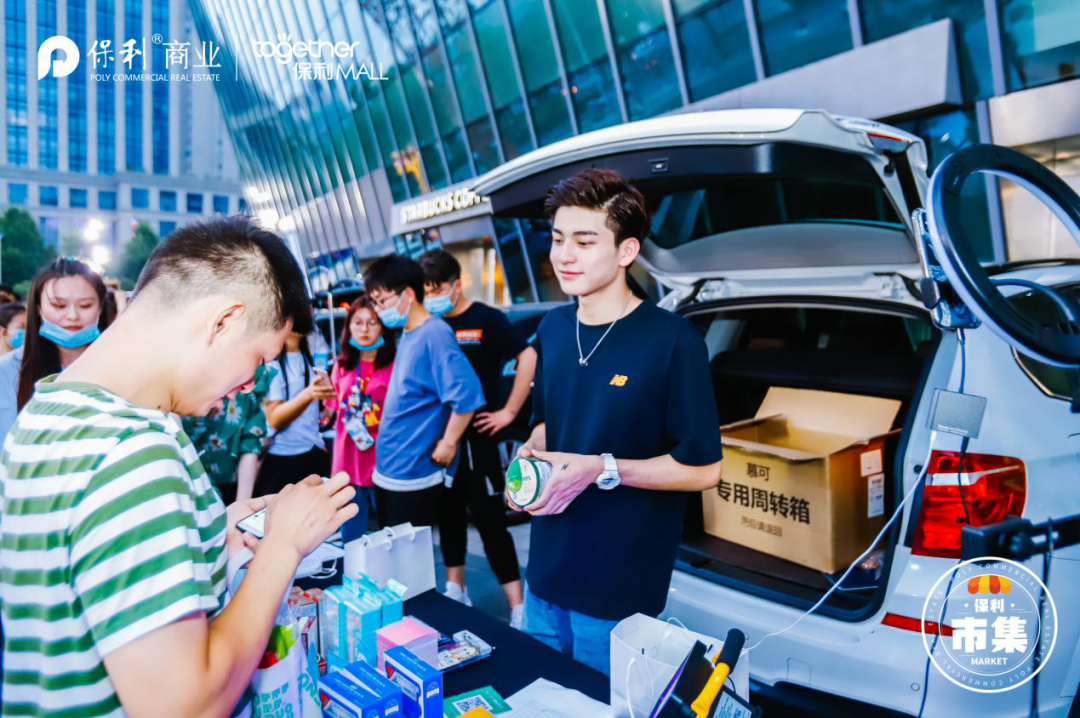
x,y
194,203
794,34
106,94
221,204
48,116
106,199
48,196
159,96
513,261
648,76
482,141
532,36
441,91
514,130
943,135
884,18
1041,40
133,91
167,201
140,198
490,27
466,75
580,33
166,228
715,48
76,86
15,54
550,114
594,97
77,197
433,167
242,206
457,156
17,193
631,19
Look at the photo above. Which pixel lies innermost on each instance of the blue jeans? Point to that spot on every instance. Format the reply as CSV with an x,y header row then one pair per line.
x,y
586,638
356,527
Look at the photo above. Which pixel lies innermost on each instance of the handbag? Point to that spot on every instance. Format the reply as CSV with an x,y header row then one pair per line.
x,y
403,553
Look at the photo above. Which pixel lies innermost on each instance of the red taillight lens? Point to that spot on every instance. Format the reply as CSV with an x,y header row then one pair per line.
x,y
994,487
915,624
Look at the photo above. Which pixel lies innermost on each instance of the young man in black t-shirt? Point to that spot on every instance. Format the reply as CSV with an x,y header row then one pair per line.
x,y
489,342
624,411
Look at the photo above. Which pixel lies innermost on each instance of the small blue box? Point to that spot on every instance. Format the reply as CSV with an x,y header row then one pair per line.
x,y
388,692
343,697
420,682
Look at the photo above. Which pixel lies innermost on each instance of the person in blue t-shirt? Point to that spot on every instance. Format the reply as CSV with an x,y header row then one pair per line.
x,y
624,412
431,398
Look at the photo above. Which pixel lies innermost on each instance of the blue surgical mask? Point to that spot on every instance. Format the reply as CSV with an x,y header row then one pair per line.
x,y
378,343
392,318
16,339
67,338
439,305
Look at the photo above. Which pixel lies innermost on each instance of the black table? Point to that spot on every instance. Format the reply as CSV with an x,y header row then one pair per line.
x,y
516,659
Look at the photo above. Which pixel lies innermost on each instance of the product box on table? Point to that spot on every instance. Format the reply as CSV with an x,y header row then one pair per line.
x,y
420,682
389,693
346,622
421,639
343,697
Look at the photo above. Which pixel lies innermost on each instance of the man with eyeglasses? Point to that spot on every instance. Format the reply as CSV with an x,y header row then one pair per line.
x,y
431,398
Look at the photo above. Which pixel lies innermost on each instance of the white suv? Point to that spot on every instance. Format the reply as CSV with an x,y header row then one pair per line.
x,y
786,235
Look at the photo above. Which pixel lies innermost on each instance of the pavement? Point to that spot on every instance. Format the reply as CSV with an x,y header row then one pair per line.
x,y
486,593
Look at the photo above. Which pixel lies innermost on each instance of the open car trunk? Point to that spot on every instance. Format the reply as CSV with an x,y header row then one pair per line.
x,y
864,347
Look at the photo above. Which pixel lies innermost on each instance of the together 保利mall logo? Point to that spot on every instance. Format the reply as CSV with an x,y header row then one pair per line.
x,y
61,66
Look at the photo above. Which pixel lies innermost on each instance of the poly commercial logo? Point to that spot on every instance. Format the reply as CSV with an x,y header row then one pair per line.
x,y
1003,621
65,64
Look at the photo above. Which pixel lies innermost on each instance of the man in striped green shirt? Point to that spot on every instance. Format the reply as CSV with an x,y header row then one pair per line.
x,y
113,541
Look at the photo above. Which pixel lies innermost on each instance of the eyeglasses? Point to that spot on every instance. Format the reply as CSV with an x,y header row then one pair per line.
x,y
384,301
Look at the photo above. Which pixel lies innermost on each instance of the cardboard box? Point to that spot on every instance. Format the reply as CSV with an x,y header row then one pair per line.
x,y
342,697
420,682
804,479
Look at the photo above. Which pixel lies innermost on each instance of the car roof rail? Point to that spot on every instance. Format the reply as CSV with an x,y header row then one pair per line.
x,y
995,269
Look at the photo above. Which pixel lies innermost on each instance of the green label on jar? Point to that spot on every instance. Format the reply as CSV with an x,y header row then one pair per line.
x,y
526,479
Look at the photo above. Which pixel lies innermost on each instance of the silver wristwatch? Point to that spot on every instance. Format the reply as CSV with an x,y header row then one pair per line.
x,y
609,478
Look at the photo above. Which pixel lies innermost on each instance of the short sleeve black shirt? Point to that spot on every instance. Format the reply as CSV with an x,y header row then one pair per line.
x,y
646,392
489,342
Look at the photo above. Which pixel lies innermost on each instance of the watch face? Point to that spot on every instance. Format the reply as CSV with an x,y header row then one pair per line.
x,y
608,481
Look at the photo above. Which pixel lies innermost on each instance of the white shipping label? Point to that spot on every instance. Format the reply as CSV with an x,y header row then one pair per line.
x,y
871,462
875,496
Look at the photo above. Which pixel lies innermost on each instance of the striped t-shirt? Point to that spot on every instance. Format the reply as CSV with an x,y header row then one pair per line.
x,y
109,529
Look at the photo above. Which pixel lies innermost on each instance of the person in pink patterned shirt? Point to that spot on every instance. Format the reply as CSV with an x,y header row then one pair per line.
x,y
360,377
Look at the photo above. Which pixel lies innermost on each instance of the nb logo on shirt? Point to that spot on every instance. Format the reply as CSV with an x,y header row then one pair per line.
x,y
618,380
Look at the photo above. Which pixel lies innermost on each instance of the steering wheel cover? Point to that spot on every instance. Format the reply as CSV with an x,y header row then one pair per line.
x,y
957,256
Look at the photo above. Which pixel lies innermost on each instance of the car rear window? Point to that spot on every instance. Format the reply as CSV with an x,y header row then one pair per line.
x,y
715,205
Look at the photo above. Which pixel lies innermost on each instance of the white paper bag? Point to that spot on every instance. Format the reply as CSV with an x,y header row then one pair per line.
x,y
646,652
403,553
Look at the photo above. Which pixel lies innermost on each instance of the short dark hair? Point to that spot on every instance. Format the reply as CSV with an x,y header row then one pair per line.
x,y
9,311
230,255
606,191
394,273
439,266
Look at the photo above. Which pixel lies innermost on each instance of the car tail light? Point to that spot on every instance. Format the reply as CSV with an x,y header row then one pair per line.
x,y
993,488
916,624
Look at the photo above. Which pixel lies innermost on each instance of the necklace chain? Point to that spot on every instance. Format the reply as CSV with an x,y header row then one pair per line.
x,y
584,360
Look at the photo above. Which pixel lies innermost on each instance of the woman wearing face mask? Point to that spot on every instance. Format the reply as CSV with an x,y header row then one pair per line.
x,y
292,411
12,326
360,378
64,315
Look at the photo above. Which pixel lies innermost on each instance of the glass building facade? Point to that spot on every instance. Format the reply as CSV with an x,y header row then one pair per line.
x,y
91,146
450,89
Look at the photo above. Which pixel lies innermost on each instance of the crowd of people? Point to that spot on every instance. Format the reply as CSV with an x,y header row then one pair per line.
x,y
130,424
